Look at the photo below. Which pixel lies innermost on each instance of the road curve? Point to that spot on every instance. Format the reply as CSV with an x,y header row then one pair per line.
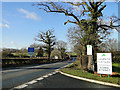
x,y
15,77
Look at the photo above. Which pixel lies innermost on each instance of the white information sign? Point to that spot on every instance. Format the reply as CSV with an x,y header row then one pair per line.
x,y
56,57
89,49
104,63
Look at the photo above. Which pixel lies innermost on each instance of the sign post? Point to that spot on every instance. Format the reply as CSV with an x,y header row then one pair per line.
x,y
89,49
90,58
104,63
31,51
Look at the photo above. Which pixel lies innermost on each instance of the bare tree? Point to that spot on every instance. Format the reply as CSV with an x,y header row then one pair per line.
x,y
92,8
92,25
110,45
61,46
49,39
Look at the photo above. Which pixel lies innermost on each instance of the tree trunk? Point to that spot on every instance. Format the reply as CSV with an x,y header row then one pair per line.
x,y
90,63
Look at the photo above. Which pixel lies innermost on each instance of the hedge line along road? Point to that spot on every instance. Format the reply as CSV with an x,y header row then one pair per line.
x,y
13,77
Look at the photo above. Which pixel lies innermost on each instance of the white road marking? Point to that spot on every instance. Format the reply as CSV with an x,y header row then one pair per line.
x,y
31,82
57,69
50,74
45,76
54,72
39,78
34,81
90,80
21,86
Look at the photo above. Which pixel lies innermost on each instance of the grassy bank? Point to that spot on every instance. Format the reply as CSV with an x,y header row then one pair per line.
x,y
74,69
116,67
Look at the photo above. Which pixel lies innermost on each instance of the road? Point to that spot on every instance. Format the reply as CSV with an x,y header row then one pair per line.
x,y
61,81
15,77
35,77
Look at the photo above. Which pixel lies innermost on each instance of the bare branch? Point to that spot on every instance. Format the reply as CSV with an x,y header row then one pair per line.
x,y
110,27
69,22
78,4
58,10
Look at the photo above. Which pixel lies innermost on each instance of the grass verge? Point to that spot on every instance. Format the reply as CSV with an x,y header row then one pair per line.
x,y
116,67
74,69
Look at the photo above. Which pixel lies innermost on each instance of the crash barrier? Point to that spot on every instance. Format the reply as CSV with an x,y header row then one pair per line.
x,y
20,62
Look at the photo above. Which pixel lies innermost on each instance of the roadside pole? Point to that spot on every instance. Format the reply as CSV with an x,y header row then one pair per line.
x,y
90,58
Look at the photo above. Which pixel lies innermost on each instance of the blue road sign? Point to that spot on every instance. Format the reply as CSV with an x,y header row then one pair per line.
x,y
30,51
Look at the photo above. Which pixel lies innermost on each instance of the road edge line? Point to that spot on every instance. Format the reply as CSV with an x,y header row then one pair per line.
x,y
90,80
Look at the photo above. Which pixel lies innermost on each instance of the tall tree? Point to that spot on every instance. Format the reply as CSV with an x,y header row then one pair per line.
x,y
92,9
48,39
109,45
40,52
61,46
80,39
37,47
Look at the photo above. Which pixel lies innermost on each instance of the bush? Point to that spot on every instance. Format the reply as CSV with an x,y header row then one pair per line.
x,y
116,57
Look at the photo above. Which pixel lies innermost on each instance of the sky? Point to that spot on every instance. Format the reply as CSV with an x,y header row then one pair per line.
x,y
21,22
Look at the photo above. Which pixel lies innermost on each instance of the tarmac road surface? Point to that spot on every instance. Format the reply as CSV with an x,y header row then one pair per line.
x,y
20,75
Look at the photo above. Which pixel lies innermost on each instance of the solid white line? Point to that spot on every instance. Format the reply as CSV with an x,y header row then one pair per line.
x,y
90,80
31,82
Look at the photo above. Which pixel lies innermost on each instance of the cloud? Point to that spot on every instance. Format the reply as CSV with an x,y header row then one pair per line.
x,y
5,21
4,25
31,15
